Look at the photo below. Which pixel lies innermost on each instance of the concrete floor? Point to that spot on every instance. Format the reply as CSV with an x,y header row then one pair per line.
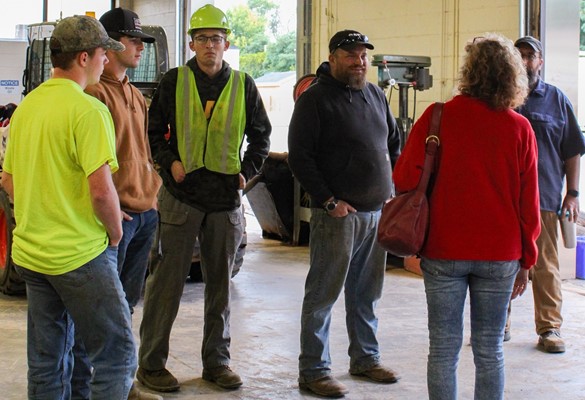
x,y
267,296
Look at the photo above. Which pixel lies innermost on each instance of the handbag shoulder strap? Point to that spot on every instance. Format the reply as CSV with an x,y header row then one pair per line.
x,y
431,147
434,129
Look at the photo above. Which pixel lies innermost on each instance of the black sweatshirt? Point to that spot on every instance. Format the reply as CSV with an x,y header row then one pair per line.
x,y
343,142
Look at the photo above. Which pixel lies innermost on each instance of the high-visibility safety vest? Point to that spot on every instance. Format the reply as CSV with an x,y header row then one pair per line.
x,y
213,144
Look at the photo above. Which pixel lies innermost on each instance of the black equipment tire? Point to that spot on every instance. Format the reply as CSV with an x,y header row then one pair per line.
x,y
10,282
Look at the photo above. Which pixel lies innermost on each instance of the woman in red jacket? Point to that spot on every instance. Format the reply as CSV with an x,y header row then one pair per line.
x,y
484,214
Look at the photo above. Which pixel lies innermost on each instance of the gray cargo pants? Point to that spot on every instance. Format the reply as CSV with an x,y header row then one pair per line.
x,y
180,225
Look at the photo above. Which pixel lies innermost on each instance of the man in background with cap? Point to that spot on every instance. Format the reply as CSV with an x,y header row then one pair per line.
x,y
210,108
343,141
560,147
60,157
136,180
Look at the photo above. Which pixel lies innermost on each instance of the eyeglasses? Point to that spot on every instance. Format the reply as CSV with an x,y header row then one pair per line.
x,y
352,38
530,57
215,39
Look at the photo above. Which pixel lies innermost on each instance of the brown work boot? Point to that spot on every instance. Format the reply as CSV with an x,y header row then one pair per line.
x,y
223,377
161,380
552,342
379,373
327,386
137,394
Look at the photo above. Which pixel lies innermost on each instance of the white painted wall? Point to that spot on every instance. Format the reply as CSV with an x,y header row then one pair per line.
x,y
560,38
157,12
278,101
436,29
12,64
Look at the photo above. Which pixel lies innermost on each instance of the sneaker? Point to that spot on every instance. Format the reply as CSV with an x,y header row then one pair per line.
x,y
327,386
137,394
507,336
161,380
223,377
552,342
379,373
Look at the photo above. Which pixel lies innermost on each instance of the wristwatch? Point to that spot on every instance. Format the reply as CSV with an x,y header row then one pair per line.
x,y
573,192
330,205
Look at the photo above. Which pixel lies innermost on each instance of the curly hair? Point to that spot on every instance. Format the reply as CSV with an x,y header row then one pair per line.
x,y
493,72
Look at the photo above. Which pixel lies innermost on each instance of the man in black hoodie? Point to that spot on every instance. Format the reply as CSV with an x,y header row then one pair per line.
x,y
343,141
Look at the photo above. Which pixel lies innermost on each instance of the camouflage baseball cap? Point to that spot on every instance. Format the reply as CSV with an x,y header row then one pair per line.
x,y
81,32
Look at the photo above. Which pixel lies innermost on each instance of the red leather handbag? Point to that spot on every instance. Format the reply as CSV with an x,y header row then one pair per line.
x,y
404,223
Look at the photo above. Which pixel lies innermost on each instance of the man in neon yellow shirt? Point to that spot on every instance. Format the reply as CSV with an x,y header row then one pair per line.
x,y
60,157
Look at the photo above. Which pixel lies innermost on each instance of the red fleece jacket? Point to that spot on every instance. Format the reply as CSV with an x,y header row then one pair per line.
x,y
485,203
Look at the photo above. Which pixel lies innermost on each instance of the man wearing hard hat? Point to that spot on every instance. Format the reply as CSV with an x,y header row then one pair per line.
x,y
209,108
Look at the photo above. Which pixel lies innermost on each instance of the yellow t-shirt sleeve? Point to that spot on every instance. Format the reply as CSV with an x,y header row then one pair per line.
x,y
95,141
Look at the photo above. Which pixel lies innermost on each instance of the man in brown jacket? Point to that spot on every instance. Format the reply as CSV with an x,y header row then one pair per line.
x,y
136,181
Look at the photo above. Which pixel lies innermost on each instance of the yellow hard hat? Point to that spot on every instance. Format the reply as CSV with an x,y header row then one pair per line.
x,y
209,17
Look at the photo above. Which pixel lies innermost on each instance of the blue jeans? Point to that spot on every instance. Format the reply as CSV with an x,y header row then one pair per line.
x,y
490,287
133,253
344,254
219,234
90,302
132,261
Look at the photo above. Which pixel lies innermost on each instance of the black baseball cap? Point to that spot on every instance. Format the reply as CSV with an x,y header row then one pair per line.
x,y
79,33
125,22
530,41
347,38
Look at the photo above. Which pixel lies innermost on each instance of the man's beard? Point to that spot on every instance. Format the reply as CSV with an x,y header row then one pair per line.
x,y
357,82
532,77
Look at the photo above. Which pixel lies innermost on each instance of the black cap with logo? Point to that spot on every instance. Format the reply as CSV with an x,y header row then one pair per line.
x,y
348,38
125,22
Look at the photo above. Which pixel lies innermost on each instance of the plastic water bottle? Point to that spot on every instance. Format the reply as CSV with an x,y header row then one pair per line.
x,y
568,231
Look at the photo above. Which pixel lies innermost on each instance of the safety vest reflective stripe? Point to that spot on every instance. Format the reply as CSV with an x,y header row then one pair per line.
x,y
213,144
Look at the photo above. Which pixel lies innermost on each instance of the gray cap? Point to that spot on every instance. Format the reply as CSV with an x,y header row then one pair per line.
x,y
531,42
81,32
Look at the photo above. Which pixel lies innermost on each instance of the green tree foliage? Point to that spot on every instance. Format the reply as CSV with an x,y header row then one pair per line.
x,y
270,11
582,15
253,64
248,29
281,55
255,32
